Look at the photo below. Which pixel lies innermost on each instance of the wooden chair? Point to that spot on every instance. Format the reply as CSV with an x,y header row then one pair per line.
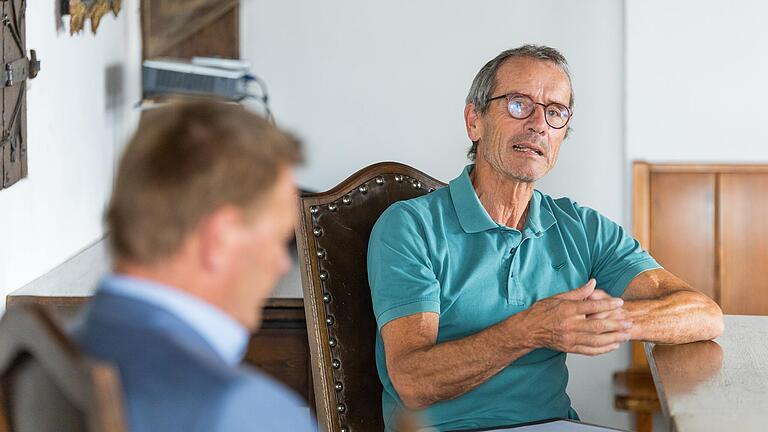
x,y
48,384
332,236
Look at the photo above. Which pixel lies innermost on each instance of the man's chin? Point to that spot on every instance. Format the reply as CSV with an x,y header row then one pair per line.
x,y
524,176
525,173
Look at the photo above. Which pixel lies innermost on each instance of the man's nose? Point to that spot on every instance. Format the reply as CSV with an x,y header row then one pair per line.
x,y
537,121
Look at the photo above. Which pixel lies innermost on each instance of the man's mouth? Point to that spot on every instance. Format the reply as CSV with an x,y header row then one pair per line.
x,y
528,149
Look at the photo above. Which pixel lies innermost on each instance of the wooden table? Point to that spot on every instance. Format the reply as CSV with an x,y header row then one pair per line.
x,y
719,385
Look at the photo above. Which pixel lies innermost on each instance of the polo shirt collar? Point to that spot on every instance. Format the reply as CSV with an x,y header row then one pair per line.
x,y
473,217
540,217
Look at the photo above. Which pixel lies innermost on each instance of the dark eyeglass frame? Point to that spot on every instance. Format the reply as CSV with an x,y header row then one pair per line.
x,y
509,96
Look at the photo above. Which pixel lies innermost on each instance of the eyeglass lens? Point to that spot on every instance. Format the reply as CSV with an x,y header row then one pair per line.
x,y
521,107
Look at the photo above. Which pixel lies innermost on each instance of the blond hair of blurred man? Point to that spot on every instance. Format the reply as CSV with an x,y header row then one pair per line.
x,y
200,217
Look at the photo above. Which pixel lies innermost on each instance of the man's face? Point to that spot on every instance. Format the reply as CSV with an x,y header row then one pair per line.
x,y
523,150
260,256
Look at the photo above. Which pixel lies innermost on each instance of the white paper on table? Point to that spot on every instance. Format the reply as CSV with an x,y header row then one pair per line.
x,y
554,426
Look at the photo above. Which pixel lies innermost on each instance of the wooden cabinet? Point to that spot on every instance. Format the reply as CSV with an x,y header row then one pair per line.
x,y
281,348
708,224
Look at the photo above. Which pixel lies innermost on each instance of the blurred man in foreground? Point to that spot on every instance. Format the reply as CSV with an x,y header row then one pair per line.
x,y
201,213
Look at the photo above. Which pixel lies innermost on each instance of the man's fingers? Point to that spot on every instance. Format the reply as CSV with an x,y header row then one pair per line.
x,y
599,316
617,314
597,326
581,292
601,340
593,351
588,307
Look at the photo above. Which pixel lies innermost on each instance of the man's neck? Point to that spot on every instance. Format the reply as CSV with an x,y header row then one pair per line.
x,y
172,273
506,200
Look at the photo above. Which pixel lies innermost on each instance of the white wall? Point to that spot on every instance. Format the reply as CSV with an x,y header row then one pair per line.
x,y
366,82
363,82
696,70
79,111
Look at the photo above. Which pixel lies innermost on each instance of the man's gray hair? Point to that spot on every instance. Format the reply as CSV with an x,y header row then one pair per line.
x,y
484,83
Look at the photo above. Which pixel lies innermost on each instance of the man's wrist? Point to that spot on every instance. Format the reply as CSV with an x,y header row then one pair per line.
x,y
518,336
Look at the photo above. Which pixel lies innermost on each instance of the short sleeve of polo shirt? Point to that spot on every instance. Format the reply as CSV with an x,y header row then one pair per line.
x,y
400,273
616,256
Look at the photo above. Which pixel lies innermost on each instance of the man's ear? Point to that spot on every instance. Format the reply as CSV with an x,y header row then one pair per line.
x,y
217,234
472,122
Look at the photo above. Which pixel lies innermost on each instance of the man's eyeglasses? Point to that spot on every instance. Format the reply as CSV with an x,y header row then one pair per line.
x,y
521,107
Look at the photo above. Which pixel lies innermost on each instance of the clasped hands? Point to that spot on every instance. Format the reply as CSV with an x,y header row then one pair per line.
x,y
583,321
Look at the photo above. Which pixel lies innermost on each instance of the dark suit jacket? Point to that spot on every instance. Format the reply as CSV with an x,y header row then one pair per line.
x,y
172,378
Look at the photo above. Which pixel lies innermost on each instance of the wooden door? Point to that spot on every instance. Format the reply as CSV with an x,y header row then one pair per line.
x,y
14,146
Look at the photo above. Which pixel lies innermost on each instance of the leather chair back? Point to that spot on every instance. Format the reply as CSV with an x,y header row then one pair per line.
x,y
47,385
332,236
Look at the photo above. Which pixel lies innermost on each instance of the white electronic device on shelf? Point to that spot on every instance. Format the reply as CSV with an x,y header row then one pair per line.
x,y
206,77
201,76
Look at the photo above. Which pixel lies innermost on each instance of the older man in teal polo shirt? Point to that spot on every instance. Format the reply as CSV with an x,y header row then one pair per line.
x,y
481,288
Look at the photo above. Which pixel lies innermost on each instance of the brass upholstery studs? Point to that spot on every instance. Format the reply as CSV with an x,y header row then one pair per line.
x,y
314,209
332,207
399,178
379,181
317,231
330,320
336,364
326,298
346,199
323,275
332,342
338,386
363,189
321,253
341,408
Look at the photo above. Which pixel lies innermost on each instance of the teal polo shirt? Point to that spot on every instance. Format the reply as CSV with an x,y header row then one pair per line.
x,y
443,253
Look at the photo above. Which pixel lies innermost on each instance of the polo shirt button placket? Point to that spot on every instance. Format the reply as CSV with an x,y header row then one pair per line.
x,y
511,298
512,252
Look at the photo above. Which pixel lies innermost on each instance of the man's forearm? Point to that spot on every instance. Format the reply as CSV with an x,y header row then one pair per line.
x,y
450,369
680,317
